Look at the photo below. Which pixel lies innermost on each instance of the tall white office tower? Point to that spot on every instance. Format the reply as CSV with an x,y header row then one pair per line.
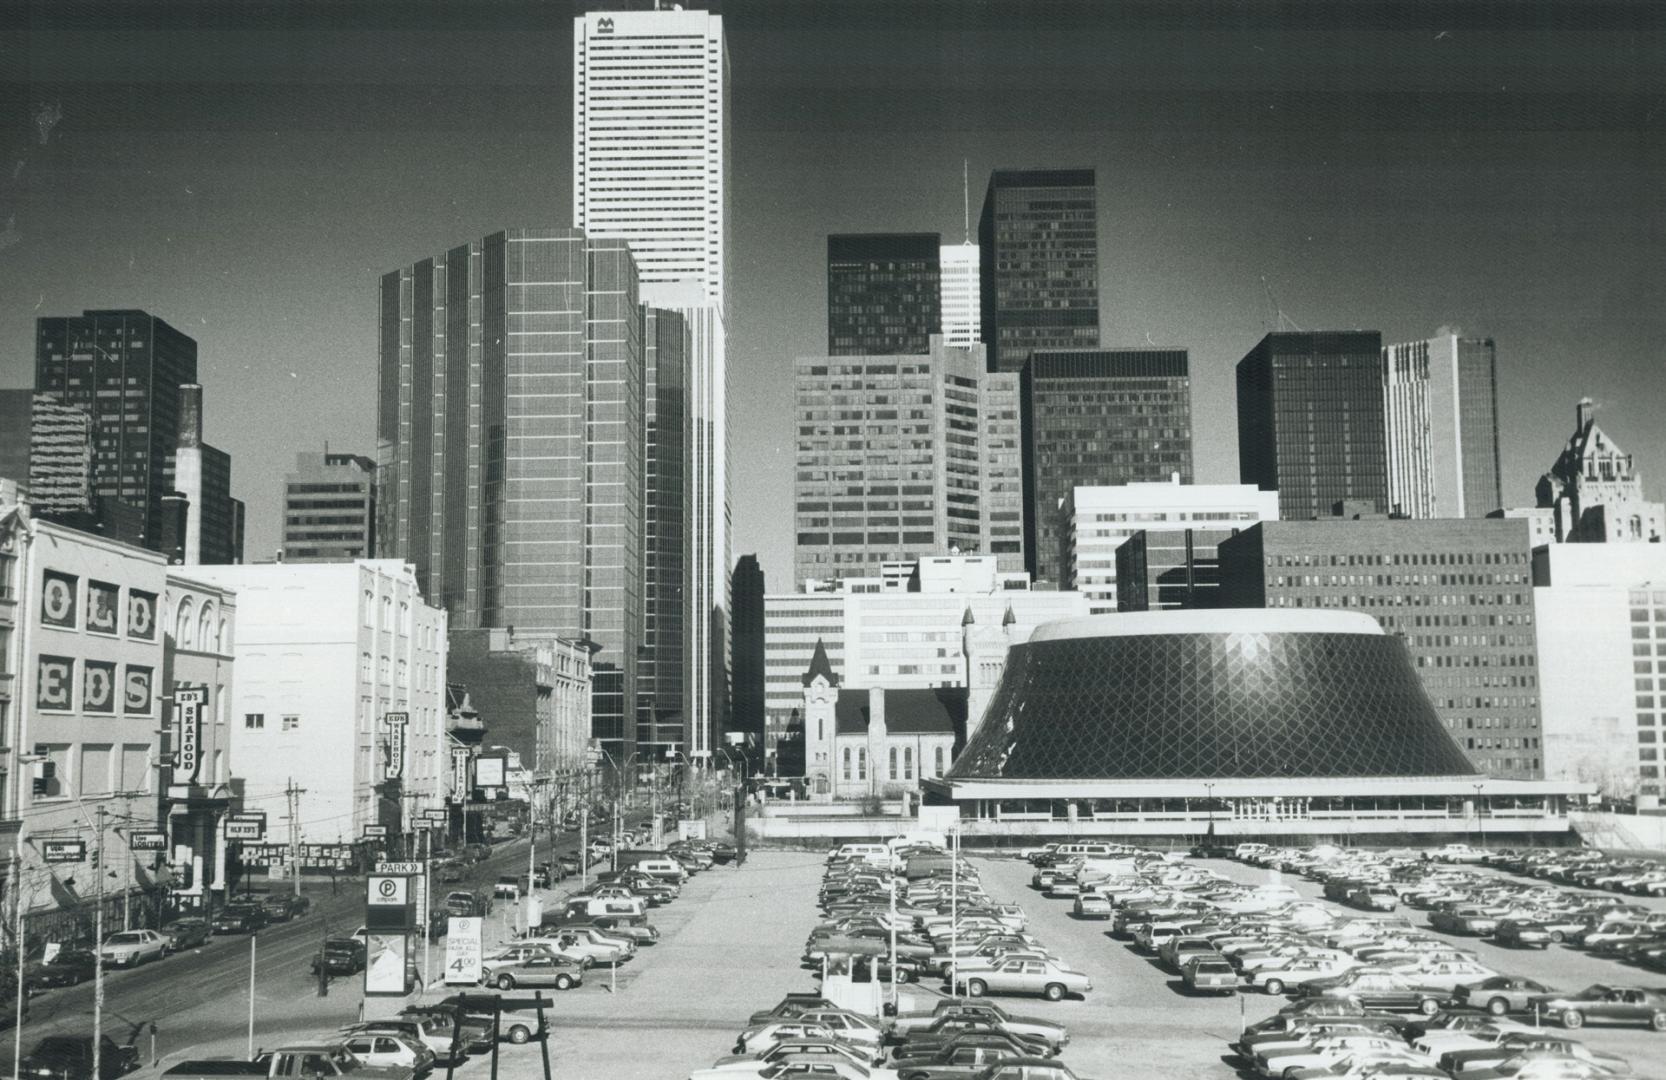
x,y
961,313
650,149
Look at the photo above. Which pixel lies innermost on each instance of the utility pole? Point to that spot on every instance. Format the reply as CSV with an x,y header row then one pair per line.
x,y
531,851
294,793
98,945
584,831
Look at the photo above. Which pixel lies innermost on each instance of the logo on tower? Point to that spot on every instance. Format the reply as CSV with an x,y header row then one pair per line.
x,y
604,25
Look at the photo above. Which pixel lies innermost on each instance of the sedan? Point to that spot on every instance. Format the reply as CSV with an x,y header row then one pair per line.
x,y
559,972
340,956
793,1050
130,948
1614,1004
1048,978
1210,975
1503,994
1092,905
382,1050
1523,932
69,967
239,919
187,933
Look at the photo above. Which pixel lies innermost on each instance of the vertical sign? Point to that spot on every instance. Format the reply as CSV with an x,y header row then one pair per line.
x,y
188,713
460,774
395,723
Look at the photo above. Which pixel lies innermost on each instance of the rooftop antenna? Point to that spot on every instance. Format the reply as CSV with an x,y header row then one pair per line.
x,y
1278,312
966,200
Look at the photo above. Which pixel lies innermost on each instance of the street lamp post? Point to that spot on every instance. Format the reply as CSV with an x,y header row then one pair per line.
x,y
1480,825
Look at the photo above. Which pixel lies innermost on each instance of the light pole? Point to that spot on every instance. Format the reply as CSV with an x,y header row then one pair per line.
x,y
673,753
1209,794
1480,825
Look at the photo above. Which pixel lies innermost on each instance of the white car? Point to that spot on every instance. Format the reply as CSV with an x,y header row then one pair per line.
x,y
1298,971
381,1049
1328,1050
800,1068
130,948
1446,974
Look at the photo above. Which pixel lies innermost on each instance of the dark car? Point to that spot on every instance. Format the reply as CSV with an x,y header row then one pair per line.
x,y
1503,994
1523,932
790,1007
1610,1004
69,967
1379,990
723,853
187,933
239,919
281,907
452,872
342,956
70,1057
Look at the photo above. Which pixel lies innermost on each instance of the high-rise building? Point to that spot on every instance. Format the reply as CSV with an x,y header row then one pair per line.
x,y
1440,408
962,314
748,719
1038,238
903,456
1096,417
663,685
125,368
1595,490
1459,592
1095,522
207,529
1310,421
650,163
329,508
884,292
47,447
510,444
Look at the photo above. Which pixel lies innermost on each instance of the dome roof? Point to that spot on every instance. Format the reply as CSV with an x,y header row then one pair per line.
x,y
1223,693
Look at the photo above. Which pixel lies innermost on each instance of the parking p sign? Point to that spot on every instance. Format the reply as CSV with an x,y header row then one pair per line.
x,y
462,951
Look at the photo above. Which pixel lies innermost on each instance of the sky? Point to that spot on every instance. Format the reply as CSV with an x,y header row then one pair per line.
x,y
246,171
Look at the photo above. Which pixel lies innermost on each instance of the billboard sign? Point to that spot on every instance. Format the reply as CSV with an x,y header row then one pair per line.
x,y
489,770
385,963
63,851
188,703
462,951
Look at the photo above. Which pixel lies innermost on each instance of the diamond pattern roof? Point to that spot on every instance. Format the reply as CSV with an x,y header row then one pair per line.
x,y
1211,705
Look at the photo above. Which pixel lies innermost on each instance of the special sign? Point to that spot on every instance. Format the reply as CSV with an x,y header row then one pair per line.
x,y
395,723
188,713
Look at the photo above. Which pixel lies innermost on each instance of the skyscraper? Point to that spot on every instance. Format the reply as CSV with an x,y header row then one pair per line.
x,y
904,456
748,719
47,447
125,368
329,508
1310,421
883,293
650,161
961,313
1441,424
1039,242
662,684
510,444
1096,417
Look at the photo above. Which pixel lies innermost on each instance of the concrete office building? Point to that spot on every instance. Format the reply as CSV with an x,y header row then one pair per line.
x,y
749,638
1038,237
1097,521
1595,490
1458,591
884,293
82,669
1310,421
961,308
521,504
650,167
904,456
1602,665
1440,409
205,526
1098,417
125,368
47,447
329,508
341,690
1541,522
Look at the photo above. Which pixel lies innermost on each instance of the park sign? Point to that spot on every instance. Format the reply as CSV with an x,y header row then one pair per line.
x,y
389,901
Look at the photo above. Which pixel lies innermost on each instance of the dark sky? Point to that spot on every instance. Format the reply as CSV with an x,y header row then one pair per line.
x,y
247,170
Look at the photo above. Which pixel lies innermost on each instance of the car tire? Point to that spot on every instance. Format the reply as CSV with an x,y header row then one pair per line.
x,y
520,1034
506,982
976,988
1557,936
1573,1019
1274,987
1428,1006
1658,1021
1053,992
905,976
1498,1006
563,982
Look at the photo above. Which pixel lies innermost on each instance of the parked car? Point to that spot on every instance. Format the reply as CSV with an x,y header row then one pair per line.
x,y
1503,994
69,967
1381,990
281,907
341,956
240,918
545,969
1209,974
1092,905
1049,978
383,1048
70,1057
186,933
1610,1004
1525,932
130,948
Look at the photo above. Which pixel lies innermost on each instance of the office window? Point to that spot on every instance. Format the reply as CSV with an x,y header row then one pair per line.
x,y
290,723
937,761
254,721
95,769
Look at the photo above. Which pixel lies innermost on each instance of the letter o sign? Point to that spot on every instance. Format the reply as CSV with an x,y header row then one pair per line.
x,y
57,600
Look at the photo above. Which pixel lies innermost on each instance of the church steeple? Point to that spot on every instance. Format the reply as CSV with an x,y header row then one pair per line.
x,y
820,665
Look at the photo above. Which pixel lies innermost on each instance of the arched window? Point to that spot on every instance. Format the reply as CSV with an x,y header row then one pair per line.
x,y
205,628
847,763
185,624
892,764
937,762
861,763
820,731
908,763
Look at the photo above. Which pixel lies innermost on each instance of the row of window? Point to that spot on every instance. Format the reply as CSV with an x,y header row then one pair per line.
x,y
905,760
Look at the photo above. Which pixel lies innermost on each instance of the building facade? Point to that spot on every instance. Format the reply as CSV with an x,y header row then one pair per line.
x,y
1038,237
530,512
82,668
1311,420
1170,569
959,303
1095,522
664,681
884,293
1595,490
208,525
329,508
532,695
1095,417
1440,422
1602,664
47,447
340,691
650,167
794,623
904,456
1458,591
749,638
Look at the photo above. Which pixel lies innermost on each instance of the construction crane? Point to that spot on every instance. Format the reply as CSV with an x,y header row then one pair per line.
x,y
1279,317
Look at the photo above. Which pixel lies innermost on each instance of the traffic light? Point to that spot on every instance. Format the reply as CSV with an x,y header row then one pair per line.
x,y
92,858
